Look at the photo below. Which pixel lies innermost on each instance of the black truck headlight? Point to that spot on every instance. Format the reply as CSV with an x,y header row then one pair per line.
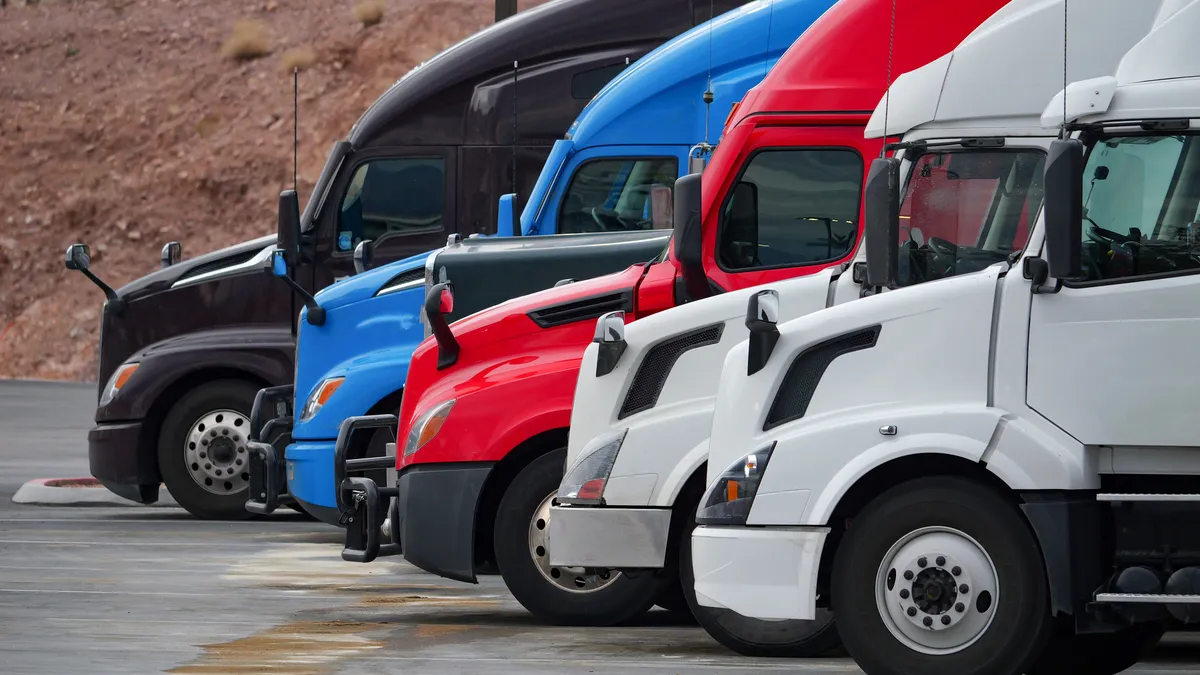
x,y
729,498
585,480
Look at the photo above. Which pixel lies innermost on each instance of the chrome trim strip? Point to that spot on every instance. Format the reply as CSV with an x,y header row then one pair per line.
x,y
401,287
258,262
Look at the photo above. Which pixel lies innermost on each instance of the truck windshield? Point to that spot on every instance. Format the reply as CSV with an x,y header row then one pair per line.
x,y
612,195
1140,210
964,210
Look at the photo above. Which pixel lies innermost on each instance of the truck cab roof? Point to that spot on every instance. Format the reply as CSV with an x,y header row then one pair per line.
x,y
972,87
1158,78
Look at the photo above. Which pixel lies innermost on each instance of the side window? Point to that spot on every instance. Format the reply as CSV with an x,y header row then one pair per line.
x,y
392,196
612,195
1140,197
964,210
791,207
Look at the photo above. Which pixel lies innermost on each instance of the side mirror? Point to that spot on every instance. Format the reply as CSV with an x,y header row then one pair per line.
x,y
610,336
661,208
79,257
289,227
688,237
364,255
881,227
1064,207
762,318
506,216
172,252
439,302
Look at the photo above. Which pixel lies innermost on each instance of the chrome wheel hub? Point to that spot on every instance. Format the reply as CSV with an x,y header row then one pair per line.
x,y
937,590
215,452
573,579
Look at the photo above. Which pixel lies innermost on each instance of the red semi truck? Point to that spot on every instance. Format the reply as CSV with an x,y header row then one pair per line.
x,y
484,419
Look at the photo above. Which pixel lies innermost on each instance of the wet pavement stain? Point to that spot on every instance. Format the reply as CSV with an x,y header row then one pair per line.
x,y
297,648
456,601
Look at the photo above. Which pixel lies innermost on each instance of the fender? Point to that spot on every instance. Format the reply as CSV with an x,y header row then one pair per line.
x,y
798,491
672,485
265,353
369,379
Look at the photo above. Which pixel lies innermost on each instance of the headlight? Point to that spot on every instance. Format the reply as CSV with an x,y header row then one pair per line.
x,y
118,380
728,500
427,426
585,480
320,396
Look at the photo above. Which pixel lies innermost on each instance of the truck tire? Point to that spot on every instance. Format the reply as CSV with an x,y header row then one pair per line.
x,y
561,596
674,599
742,634
202,451
941,576
1096,653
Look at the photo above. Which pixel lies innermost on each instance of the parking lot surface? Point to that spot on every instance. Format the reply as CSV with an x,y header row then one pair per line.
x,y
146,590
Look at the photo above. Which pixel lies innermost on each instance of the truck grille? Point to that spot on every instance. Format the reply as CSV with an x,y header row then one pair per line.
x,y
656,366
803,376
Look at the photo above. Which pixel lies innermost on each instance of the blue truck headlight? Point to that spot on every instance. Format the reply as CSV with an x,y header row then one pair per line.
x,y
584,482
319,396
729,498
427,426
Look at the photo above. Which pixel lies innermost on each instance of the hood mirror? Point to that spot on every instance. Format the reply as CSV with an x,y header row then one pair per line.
x,y
610,336
439,302
364,255
762,319
172,253
79,258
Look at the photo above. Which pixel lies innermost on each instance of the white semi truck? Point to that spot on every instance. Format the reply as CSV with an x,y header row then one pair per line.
x,y
975,146
996,472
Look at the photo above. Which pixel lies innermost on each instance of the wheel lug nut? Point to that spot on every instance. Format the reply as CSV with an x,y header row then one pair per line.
x,y
963,588
921,562
908,575
941,560
956,570
928,621
207,466
904,593
203,454
912,611
959,608
945,619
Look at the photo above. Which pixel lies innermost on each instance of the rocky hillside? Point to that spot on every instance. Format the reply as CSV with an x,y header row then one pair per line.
x,y
128,123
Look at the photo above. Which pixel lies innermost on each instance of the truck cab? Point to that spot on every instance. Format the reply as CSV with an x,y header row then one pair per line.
x,y
988,493
196,340
632,138
971,150
794,146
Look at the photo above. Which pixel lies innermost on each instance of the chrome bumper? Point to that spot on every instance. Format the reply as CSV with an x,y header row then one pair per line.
x,y
621,538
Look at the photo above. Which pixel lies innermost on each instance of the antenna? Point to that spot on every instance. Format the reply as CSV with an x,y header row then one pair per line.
x,y
514,135
295,125
1062,129
887,93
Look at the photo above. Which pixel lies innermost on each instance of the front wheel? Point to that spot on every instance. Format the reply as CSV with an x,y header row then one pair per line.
x,y
742,634
941,576
202,450
559,595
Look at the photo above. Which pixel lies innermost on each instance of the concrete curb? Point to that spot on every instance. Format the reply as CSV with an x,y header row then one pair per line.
x,y
78,492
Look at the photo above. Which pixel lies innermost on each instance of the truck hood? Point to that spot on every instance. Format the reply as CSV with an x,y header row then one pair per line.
x,y
394,275
197,268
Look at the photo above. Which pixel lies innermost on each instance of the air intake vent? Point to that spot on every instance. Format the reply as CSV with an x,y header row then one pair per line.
x,y
796,391
583,309
214,265
405,277
656,366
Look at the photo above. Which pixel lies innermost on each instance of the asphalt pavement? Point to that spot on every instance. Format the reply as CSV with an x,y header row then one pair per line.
x,y
135,590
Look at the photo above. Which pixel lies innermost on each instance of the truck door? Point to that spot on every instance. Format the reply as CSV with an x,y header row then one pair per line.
x,y
1112,356
402,199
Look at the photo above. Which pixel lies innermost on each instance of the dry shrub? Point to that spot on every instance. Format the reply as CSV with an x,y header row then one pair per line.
x,y
249,40
300,58
369,12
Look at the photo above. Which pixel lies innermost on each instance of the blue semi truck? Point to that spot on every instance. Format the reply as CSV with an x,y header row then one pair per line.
x,y
643,130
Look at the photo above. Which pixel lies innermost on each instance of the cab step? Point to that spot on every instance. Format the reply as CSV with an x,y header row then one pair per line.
x,y
1146,497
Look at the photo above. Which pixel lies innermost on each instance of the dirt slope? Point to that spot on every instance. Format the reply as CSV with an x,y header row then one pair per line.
x,y
122,125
